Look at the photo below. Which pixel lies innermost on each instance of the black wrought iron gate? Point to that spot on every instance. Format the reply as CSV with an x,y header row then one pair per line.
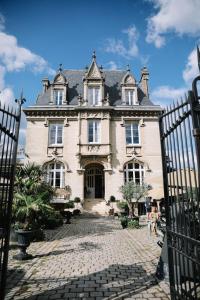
x,y
180,143
9,133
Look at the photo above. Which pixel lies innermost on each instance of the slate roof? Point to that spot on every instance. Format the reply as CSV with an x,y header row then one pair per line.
x,y
112,87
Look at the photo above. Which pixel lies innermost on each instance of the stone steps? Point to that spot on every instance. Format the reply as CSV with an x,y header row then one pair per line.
x,y
96,206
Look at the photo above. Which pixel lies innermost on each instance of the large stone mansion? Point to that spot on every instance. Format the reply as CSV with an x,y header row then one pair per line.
x,y
93,130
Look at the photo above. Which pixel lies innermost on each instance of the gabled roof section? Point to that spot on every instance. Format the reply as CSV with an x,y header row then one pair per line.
x,y
128,78
94,71
60,77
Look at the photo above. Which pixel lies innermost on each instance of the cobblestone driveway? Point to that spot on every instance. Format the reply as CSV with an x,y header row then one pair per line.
x,y
92,258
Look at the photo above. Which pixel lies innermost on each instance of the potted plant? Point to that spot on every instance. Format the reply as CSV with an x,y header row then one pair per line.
x,y
132,192
27,212
30,206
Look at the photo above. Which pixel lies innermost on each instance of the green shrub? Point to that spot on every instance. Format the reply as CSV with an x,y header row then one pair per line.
x,y
124,222
122,205
52,220
112,199
69,204
133,224
77,200
76,212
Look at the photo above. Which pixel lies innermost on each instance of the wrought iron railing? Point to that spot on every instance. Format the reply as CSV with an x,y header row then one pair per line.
x,y
180,143
9,133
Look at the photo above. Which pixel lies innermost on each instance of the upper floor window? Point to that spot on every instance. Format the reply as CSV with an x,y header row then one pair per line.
x,y
58,96
55,134
132,133
94,95
130,96
134,171
94,131
55,174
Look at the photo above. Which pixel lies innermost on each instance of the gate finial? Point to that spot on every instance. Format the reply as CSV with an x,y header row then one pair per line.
x,y
198,58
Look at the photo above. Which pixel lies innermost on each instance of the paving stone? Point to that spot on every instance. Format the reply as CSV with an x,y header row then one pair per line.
x,y
92,258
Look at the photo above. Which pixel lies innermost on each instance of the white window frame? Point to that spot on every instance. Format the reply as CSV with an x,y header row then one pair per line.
x,y
131,123
57,125
93,88
133,170
53,171
58,96
131,96
96,134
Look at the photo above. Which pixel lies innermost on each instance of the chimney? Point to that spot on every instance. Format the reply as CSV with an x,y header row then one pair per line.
x,y
45,83
144,81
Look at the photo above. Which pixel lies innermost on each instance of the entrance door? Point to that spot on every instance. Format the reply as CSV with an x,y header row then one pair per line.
x,y
94,182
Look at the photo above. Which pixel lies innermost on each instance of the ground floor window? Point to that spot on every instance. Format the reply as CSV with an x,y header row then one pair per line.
x,y
55,174
134,171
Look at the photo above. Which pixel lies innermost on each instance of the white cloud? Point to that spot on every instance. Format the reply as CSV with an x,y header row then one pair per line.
x,y
16,58
117,46
191,70
179,16
164,95
112,65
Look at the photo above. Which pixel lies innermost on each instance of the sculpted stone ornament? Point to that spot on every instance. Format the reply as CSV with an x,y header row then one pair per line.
x,y
54,152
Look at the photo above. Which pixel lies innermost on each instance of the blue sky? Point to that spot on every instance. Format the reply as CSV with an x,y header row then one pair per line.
x,y
35,36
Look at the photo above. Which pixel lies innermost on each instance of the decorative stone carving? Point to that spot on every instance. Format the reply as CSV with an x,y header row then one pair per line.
x,y
93,148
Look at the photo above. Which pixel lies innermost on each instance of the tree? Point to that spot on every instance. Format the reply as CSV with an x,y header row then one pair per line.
x,y
132,192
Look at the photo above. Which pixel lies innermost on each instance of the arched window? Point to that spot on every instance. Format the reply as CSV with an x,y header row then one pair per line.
x,y
55,174
134,171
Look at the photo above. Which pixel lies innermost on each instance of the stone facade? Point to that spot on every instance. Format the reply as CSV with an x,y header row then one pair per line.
x,y
102,125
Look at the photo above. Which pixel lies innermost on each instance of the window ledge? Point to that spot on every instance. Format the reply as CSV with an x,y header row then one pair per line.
x,y
56,146
134,146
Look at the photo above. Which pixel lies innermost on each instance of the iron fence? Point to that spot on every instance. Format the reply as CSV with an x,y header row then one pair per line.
x,y
9,133
180,145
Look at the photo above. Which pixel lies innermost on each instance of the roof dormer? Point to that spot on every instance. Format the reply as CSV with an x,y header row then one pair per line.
x,y
129,89
59,88
94,84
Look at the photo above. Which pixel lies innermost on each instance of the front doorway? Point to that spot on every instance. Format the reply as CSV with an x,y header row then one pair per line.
x,y
94,181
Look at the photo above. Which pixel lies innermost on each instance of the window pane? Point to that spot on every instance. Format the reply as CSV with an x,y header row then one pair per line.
x,y
97,133
93,95
58,95
90,138
137,166
51,178
130,166
90,96
97,94
128,134
52,134
59,134
57,181
130,175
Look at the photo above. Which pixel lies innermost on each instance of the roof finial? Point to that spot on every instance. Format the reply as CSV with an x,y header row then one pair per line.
x,y
198,57
128,68
94,55
60,68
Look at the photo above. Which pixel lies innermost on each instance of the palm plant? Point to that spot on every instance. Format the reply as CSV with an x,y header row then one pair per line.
x,y
32,197
29,211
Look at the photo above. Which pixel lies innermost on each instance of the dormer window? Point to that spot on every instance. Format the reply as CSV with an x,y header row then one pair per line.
x,y
93,85
94,95
130,96
129,89
58,96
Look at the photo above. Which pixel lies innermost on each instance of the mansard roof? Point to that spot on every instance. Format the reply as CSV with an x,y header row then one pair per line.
x,y
112,84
